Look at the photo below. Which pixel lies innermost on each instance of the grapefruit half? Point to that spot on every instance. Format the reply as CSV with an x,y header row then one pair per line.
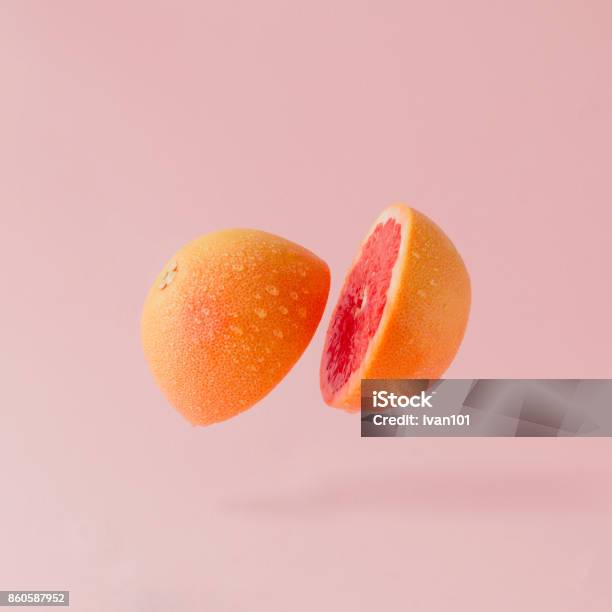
x,y
228,317
402,311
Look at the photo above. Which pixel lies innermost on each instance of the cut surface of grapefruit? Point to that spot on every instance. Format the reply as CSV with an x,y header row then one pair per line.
x,y
402,311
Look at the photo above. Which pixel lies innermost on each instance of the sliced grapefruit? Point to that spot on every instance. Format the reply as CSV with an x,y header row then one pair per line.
x,y
402,311
228,317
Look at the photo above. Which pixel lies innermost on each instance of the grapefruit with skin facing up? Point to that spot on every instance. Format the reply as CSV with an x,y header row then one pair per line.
x,y
402,311
228,317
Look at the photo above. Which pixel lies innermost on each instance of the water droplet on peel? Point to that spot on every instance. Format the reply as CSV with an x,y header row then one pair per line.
x,y
234,360
272,290
205,311
294,295
278,333
283,310
416,255
261,313
257,296
238,267
236,330
433,282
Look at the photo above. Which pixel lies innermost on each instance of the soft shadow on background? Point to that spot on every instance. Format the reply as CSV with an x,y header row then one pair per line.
x,y
439,490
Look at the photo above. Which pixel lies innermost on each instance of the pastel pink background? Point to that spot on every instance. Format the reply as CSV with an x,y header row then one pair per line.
x,y
127,128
